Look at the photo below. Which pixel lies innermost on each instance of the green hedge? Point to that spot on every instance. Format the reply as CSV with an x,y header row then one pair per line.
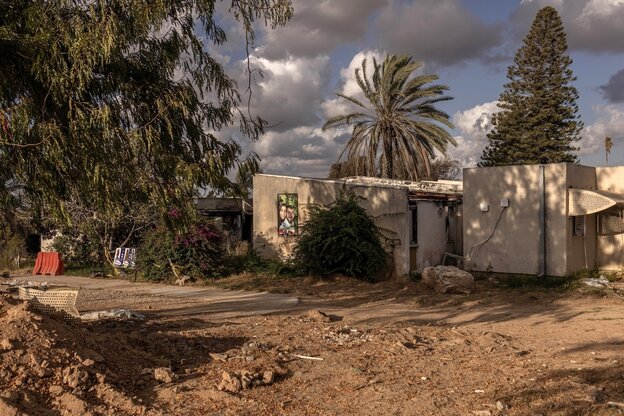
x,y
341,238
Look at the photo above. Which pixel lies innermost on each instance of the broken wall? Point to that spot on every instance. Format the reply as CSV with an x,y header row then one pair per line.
x,y
389,205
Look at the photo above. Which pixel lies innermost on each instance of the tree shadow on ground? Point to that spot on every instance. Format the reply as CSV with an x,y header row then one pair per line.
x,y
582,387
131,351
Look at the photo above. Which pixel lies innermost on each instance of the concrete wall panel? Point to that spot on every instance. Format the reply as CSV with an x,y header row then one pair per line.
x,y
514,246
610,249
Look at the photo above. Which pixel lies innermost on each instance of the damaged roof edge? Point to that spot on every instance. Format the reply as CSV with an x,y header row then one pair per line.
x,y
434,187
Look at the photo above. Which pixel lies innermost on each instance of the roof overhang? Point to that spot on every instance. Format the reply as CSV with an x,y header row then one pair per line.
x,y
585,201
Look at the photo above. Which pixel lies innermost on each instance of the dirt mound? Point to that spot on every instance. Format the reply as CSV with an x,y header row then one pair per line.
x,y
49,365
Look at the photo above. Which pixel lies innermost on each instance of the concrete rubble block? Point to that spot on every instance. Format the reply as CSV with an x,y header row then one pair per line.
x,y
448,279
318,316
76,377
268,377
229,382
164,375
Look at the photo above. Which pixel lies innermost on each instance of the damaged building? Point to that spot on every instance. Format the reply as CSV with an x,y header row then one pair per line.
x,y
421,221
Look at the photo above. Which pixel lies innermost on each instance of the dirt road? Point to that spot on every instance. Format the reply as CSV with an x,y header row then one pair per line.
x,y
390,348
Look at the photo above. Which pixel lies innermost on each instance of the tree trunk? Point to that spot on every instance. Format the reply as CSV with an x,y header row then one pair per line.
x,y
388,167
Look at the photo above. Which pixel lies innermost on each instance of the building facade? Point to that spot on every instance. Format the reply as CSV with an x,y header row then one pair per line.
x,y
552,219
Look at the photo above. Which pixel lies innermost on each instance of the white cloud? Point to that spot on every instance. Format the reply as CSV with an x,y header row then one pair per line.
x,y
600,8
610,122
290,91
302,151
473,125
336,106
441,31
318,27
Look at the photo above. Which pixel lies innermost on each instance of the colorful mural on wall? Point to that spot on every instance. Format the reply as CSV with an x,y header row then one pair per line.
x,y
287,214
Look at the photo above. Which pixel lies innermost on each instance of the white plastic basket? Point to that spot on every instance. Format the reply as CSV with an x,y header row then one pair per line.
x,y
51,300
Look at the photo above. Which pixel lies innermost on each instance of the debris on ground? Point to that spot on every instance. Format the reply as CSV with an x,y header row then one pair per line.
x,y
164,374
47,365
239,380
111,314
318,316
393,352
600,282
51,300
28,284
346,336
617,405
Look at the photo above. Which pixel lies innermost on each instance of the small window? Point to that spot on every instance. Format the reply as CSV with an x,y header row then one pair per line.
x,y
414,226
579,225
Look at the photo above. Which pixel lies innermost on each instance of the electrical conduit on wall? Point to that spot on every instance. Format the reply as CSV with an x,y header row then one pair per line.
x,y
500,213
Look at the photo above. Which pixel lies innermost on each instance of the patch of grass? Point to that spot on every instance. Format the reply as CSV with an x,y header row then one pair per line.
x,y
87,271
254,264
612,276
525,282
79,271
245,281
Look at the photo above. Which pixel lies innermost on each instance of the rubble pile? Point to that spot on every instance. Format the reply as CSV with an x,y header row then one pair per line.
x,y
239,380
346,336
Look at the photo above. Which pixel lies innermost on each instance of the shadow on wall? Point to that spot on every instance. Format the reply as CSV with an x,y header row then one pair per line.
x,y
387,204
265,246
514,244
610,248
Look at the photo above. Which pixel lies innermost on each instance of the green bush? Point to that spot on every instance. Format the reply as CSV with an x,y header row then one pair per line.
x,y
79,252
10,246
253,263
341,238
197,252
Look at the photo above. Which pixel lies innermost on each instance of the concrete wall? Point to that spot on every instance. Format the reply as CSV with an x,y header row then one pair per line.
x,y
581,250
610,249
514,246
388,203
431,236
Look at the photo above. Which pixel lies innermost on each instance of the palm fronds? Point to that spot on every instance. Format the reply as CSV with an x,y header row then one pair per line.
x,y
396,129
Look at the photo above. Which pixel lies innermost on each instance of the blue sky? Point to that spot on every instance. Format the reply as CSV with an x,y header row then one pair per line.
x,y
468,43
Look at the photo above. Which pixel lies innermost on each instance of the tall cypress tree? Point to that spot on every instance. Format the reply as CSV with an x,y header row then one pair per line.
x,y
538,121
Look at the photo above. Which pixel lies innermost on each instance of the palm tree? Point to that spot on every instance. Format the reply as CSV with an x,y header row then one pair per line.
x,y
395,136
608,146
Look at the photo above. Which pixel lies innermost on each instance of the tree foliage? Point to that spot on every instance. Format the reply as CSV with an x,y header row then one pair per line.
x,y
197,252
92,237
538,121
106,103
396,128
341,238
79,251
445,168
345,168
